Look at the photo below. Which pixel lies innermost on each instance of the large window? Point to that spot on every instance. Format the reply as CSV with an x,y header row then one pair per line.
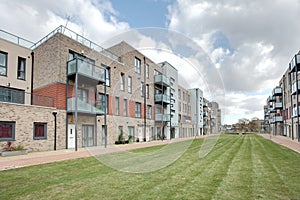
x,y
7,130
21,68
82,94
12,95
138,110
125,107
122,82
40,131
102,102
117,105
149,112
137,65
129,84
3,63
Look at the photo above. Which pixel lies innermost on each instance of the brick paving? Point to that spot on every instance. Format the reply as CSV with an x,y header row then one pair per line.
x,y
36,158
284,141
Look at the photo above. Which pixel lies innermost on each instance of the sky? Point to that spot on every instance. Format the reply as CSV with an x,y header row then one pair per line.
x,y
249,43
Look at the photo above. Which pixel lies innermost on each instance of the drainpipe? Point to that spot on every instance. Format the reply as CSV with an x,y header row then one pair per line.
x,y
32,66
145,106
54,114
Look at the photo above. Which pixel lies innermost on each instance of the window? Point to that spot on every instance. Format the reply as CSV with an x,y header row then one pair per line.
x,y
125,107
21,68
137,65
142,89
3,63
107,74
117,105
179,94
122,82
7,130
147,71
138,110
82,94
147,91
101,104
149,112
12,95
129,84
40,131
131,132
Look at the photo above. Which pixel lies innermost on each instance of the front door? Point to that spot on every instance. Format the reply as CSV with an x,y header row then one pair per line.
x,y
87,135
71,136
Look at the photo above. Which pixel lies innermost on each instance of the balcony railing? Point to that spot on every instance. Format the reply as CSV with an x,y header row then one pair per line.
x,y
83,107
15,39
162,98
278,106
78,38
205,114
277,91
162,117
294,62
272,120
294,87
278,119
271,98
162,80
205,105
86,69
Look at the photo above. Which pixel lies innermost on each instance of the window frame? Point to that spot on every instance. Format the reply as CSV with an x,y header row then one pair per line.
x,y
20,61
122,82
149,111
5,64
117,106
147,71
44,124
138,110
147,91
137,65
129,84
13,130
142,89
102,101
125,107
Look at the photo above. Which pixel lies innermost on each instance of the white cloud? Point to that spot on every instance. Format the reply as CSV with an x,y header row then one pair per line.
x,y
33,19
251,42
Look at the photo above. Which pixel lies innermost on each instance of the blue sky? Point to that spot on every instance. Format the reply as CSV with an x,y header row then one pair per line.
x,y
249,42
142,13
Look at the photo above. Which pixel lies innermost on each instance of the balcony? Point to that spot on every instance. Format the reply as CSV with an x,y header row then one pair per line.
x,y
278,119
205,114
273,110
278,106
162,80
83,107
86,70
271,99
294,87
162,98
162,117
267,114
277,91
205,105
294,63
272,120
294,111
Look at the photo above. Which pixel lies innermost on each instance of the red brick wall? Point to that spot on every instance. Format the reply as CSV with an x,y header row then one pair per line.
x,y
57,91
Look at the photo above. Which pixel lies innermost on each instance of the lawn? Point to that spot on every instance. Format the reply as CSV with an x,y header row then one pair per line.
x,y
238,167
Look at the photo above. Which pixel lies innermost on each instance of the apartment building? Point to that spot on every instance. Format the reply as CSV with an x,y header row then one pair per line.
x,y
281,116
196,96
26,119
206,118
66,91
215,117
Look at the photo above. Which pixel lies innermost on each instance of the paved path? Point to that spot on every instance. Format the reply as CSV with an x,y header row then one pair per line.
x,y
284,141
35,158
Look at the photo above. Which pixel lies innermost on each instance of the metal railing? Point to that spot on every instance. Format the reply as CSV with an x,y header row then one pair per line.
x,y
78,38
15,39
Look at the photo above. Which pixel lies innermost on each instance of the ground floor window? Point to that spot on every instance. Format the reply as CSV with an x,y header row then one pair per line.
x,y
7,131
40,131
131,133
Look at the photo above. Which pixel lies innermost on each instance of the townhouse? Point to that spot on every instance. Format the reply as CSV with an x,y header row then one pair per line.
x,y
66,91
281,116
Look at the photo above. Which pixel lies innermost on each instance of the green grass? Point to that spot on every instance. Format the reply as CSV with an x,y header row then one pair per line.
x,y
238,167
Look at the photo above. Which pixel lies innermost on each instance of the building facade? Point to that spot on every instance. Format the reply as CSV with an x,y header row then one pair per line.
x,y
76,94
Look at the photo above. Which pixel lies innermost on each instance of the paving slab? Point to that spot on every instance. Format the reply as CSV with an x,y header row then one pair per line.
x,y
284,141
